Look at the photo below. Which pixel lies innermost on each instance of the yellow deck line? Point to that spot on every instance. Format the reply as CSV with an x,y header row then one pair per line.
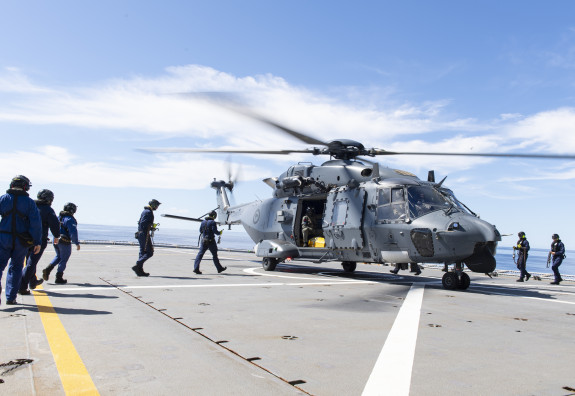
x,y
73,373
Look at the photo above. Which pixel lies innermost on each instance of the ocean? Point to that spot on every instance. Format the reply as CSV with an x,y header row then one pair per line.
x,y
237,239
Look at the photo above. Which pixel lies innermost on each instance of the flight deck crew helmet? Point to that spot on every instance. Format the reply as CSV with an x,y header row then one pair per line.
x,y
213,214
70,207
46,196
555,236
521,234
22,182
154,203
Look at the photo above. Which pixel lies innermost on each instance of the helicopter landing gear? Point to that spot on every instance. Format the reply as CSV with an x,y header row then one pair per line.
x,y
349,266
450,281
464,281
456,279
269,263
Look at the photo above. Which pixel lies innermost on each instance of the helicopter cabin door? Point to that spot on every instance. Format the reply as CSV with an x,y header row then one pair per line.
x,y
343,221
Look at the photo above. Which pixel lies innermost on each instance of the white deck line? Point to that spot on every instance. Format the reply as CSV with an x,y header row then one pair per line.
x,y
211,285
391,374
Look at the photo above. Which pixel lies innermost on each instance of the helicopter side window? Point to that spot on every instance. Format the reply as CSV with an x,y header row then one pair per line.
x,y
390,204
339,213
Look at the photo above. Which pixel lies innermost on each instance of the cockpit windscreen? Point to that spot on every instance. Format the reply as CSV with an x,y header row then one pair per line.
x,y
425,199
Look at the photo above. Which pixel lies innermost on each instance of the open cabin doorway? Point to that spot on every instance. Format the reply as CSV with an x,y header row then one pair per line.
x,y
318,207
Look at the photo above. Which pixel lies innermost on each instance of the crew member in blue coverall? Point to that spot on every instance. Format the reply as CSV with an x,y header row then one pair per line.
x,y
49,222
558,252
523,248
145,227
68,236
20,229
208,232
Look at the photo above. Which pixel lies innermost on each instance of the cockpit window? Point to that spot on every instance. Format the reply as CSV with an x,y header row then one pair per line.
x,y
425,199
390,204
460,205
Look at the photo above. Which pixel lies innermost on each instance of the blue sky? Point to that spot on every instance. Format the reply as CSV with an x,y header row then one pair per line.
x,y
83,84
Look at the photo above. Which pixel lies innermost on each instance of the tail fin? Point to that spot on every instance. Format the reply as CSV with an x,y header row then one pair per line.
x,y
222,197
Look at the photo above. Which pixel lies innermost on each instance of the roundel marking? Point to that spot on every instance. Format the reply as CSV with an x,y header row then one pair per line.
x,y
256,216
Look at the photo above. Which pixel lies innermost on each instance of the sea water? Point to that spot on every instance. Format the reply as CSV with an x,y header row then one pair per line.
x,y
238,239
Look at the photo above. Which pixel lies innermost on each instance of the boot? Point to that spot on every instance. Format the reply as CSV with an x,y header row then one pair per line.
x,y
46,272
139,270
38,283
59,279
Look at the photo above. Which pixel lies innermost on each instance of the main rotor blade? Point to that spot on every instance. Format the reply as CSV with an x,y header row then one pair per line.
x,y
231,151
234,103
298,135
503,155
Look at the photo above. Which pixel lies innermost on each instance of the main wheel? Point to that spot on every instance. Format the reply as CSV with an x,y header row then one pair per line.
x,y
464,281
450,281
349,266
269,263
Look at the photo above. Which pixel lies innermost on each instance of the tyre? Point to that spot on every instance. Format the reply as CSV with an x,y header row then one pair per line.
x,y
269,263
349,266
450,281
464,281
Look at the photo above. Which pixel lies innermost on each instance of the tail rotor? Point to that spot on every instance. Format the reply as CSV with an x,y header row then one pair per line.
x,y
233,176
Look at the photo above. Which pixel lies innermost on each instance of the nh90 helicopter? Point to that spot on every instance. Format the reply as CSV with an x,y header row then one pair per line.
x,y
364,213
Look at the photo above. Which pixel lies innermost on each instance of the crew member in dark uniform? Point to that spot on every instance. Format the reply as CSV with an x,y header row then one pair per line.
x,y
49,222
558,253
523,252
68,236
145,228
20,229
208,232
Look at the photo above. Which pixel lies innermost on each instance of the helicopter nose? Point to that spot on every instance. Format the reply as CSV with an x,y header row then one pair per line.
x,y
462,238
485,237
483,231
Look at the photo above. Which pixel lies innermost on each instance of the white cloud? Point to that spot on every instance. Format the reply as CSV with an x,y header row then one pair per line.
x,y
558,173
13,81
151,106
53,164
154,106
510,116
546,132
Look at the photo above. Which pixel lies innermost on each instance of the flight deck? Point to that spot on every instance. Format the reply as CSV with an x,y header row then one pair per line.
x,y
302,329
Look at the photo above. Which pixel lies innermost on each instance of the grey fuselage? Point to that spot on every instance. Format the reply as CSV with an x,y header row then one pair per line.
x,y
366,214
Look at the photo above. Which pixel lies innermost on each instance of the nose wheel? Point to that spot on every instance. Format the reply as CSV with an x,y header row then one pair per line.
x,y
456,280
349,266
269,263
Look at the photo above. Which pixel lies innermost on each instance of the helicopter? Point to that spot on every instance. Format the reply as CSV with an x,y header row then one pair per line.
x,y
359,211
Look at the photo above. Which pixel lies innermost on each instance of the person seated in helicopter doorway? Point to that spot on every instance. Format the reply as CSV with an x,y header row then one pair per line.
x,y
63,248
208,232
523,247
307,225
558,253
414,268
